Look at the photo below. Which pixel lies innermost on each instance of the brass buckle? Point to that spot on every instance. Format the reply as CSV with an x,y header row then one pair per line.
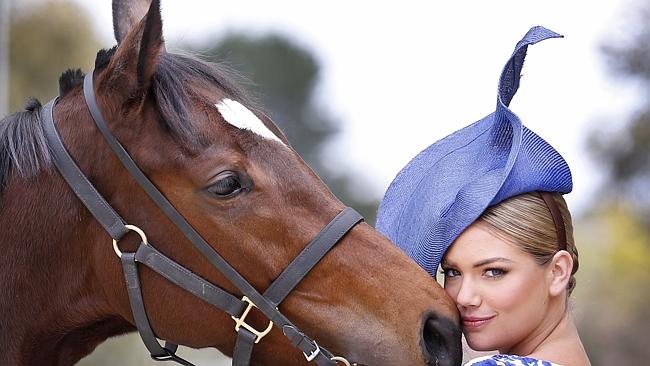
x,y
313,354
240,322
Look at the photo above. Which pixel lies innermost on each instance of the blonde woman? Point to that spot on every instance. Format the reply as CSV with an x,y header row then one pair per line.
x,y
485,205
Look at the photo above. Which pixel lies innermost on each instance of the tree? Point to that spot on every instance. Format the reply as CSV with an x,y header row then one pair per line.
x,y
612,300
46,39
283,77
626,154
612,294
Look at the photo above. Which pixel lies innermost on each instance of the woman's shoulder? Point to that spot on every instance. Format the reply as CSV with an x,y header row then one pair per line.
x,y
508,360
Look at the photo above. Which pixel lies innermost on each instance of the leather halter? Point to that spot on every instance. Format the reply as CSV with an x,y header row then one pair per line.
x,y
146,254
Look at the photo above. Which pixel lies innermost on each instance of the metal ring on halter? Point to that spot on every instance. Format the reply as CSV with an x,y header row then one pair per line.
x,y
132,228
341,360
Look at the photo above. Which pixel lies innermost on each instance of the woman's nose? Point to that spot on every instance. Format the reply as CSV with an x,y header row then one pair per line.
x,y
467,295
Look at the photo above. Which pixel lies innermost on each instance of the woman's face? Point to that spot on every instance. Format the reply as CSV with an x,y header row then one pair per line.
x,y
501,292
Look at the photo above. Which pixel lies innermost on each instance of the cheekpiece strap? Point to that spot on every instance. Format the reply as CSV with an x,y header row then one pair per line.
x,y
77,181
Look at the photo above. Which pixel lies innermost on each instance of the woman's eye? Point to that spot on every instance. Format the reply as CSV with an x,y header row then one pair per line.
x,y
495,272
226,185
449,272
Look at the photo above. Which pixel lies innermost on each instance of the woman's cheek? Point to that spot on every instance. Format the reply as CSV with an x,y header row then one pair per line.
x,y
451,289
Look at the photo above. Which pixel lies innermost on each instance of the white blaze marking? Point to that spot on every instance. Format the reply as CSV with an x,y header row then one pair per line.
x,y
241,117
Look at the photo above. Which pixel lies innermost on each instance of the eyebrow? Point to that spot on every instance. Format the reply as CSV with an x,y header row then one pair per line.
x,y
481,263
490,261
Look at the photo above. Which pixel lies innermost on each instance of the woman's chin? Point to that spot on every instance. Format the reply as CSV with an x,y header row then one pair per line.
x,y
480,345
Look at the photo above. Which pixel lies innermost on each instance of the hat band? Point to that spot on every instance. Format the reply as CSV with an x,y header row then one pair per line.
x,y
557,219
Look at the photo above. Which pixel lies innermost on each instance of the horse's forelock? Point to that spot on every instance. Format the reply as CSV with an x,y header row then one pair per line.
x,y
103,57
69,80
178,80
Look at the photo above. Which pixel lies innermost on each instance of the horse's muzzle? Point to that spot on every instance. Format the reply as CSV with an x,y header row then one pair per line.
x,y
441,339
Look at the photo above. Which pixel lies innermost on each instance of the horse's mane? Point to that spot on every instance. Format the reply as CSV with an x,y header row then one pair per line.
x,y
23,146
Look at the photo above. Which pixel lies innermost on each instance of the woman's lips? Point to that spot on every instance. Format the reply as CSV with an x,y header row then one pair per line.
x,y
473,323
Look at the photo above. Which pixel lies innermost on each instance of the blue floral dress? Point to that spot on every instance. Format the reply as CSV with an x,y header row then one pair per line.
x,y
508,360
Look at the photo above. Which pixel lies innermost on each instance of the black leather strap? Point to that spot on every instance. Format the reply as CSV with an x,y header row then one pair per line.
x,y
158,352
98,207
308,347
311,255
132,279
243,348
185,279
246,340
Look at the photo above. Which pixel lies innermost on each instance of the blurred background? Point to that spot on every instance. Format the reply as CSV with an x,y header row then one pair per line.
x,y
360,88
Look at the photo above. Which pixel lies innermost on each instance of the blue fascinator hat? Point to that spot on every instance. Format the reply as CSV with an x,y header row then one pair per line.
x,y
446,187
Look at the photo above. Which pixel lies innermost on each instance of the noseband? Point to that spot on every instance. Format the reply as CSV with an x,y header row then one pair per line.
x,y
146,254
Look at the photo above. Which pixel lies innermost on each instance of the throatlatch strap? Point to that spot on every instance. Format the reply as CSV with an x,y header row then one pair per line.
x,y
132,279
77,181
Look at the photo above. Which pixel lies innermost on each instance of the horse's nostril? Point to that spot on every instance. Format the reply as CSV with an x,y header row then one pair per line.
x,y
442,341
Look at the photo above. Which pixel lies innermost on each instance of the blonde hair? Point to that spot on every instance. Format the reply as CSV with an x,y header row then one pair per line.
x,y
527,222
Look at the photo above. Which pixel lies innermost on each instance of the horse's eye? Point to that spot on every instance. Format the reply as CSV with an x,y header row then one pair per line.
x,y
226,186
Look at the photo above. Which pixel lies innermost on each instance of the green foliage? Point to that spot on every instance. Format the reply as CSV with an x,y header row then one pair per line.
x,y
612,299
613,293
282,76
626,154
46,38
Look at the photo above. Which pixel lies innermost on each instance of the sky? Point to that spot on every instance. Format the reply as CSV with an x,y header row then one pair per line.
x,y
401,75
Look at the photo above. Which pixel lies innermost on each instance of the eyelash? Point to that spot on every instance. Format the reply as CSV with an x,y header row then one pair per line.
x,y
444,271
496,272
500,272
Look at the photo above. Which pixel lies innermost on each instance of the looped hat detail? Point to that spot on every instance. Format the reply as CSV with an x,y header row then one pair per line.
x,y
447,186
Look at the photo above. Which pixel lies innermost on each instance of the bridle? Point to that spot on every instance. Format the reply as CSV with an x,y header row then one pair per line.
x,y
147,255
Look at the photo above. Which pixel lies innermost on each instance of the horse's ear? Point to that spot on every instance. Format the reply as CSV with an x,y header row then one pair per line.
x,y
140,44
126,15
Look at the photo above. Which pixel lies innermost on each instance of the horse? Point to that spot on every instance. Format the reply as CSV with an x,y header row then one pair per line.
x,y
228,170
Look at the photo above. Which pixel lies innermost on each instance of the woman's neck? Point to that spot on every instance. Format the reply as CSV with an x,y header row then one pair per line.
x,y
555,341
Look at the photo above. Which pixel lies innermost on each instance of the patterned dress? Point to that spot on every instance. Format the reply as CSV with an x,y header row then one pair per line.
x,y
508,360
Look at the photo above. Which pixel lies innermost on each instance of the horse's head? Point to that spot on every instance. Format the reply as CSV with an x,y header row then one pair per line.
x,y
235,178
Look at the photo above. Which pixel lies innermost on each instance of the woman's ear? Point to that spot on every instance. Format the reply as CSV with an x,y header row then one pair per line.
x,y
560,269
